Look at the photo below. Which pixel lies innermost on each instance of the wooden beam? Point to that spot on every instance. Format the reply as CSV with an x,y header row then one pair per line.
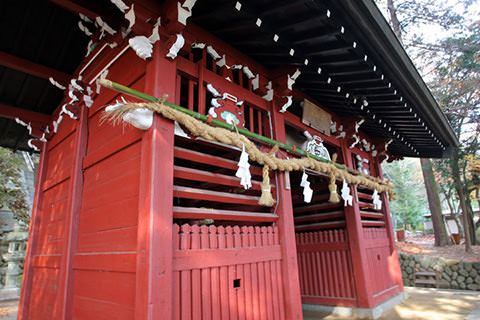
x,y
75,7
32,68
38,121
25,115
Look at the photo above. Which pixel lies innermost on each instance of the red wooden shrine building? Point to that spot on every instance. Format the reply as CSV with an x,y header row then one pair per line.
x,y
152,223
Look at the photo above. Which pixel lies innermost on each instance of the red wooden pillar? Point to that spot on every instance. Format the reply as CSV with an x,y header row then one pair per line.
x,y
65,291
33,230
357,246
286,227
154,236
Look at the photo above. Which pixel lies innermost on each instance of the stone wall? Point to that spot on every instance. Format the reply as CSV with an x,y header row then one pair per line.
x,y
454,274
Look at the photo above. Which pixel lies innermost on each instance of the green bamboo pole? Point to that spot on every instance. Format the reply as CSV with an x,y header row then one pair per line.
x,y
138,94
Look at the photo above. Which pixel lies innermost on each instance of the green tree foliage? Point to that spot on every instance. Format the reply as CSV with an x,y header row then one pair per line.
x,y
411,203
12,194
456,85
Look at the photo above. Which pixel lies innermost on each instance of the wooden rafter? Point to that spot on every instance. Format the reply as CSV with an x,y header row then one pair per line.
x,y
33,68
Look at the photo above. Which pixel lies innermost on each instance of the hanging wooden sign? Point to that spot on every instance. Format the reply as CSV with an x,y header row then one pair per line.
x,y
316,117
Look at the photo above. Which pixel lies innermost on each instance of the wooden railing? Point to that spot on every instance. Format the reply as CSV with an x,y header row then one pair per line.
x,y
205,186
227,272
325,267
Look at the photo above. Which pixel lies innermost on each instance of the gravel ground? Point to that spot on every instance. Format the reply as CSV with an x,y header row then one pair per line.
x,y
428,304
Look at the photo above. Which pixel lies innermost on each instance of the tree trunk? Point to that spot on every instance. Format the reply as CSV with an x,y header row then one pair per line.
x,y
461,196
468,205
394,20
441,236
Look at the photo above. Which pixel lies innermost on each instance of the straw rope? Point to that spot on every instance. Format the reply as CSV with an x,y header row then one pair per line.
x,y
268,160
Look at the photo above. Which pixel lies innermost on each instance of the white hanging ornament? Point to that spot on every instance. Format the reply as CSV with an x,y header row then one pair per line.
x,y
377,203
142,46
176,46
346,196
243,171
307,191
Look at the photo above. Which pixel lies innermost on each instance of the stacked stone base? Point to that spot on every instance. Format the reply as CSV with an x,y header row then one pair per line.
x,y
454,274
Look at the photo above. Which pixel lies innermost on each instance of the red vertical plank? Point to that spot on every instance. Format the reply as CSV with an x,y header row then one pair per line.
x,y
291,287
191,94
176,275
33,237
268,276
274,278
253,276
65,290
185,277
250,111
178,89
232,293
154,281
225,307
314,265
247,276
260,122
340,266
303,265
201,87
196,278
205,276
261,277
240,275
215,277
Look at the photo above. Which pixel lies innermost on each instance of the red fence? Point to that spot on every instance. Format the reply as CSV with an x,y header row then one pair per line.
x,y
227,273
325,268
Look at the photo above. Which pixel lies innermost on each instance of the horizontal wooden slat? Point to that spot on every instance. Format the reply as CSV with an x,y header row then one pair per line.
x,y
201,259
205,176
208,195
367,223
320,247
368,214
211,160
321,225
317,206
204,213
365,205
320,216
108,261
364,196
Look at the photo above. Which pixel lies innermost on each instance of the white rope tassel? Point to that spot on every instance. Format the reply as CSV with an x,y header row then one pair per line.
x,y
307,191
346,196
377,203
243,171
